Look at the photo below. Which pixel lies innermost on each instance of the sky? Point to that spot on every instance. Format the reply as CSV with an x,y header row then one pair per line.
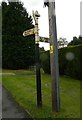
x,y
67,17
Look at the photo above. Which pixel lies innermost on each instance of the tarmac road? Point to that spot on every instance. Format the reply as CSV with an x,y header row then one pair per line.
x,y
10,109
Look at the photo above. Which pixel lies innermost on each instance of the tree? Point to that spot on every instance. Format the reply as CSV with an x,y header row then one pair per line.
x,y
62,42
76,41
18,51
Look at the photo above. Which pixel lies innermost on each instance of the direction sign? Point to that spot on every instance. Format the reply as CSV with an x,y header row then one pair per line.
x,y
28,32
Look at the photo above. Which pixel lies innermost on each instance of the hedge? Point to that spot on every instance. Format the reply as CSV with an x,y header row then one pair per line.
x,y
69,61
45,61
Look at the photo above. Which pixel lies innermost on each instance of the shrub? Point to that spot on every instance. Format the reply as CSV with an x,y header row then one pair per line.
x,y
45,61
69,61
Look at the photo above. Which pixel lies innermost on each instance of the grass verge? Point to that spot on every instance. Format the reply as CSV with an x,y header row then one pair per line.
x,y
23,89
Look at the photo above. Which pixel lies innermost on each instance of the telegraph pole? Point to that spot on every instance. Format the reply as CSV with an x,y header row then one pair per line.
x,y
37,58
53,55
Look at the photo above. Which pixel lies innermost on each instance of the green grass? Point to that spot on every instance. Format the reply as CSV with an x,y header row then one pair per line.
x,y
23,89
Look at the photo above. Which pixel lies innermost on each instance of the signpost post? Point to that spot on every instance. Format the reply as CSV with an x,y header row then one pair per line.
x,y
53,55
37,57
38,74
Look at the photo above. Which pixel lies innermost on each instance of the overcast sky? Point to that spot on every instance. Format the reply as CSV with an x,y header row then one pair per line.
x,y
67,17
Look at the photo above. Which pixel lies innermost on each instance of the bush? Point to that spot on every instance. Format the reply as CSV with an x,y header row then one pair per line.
x,y
45,61
69,61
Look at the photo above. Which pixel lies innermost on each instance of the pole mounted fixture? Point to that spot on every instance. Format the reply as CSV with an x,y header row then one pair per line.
x,y
53,55
46,3
36,15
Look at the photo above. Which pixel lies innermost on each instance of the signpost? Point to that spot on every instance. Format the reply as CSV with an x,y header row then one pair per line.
x,y
37,57
53,55
28,32
38,74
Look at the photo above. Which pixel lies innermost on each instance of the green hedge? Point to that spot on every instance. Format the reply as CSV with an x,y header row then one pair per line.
x,y
45,61
69,61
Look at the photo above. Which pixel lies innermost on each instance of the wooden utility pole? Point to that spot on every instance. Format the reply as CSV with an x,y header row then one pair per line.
x,y
53,55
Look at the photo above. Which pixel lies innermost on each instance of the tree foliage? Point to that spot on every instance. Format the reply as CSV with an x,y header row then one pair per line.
x,y
76,41
62,42
17,51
